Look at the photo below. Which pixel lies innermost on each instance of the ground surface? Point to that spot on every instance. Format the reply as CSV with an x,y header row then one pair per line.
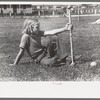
x,y
86,43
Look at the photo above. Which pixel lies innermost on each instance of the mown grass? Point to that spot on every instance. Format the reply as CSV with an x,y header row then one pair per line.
x,y
86,40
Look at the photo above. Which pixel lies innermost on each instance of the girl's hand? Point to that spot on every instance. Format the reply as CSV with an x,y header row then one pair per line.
x,y
36,61
68,26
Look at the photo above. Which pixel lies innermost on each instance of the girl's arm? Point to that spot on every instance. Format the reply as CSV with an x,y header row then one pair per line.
x,y
56,31
19,56
28,51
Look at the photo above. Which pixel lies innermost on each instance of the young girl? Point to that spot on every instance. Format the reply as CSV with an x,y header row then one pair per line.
x,y
42,46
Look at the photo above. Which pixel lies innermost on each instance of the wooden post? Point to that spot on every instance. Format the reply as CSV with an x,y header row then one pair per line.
x,y
95,11
78,13
10,11
71,38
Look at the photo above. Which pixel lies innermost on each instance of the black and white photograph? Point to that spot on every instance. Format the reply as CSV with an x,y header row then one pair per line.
x,y
50,42
49,49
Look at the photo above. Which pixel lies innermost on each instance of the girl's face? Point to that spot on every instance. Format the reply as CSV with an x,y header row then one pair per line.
x,y
35,28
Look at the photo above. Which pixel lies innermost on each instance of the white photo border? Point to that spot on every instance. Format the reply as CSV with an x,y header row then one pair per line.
x,y
51,89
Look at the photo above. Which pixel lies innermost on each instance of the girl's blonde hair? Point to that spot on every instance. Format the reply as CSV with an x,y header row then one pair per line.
x,y
27,25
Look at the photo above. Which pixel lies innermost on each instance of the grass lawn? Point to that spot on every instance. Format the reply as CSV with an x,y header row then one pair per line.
x,y
86,41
